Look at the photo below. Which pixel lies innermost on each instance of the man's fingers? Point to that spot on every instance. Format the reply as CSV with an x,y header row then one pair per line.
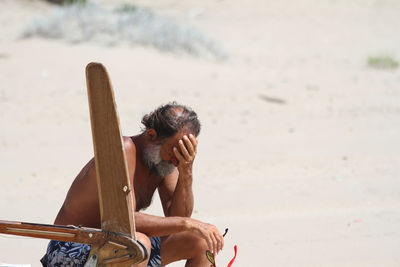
x,y
194,141
220,240
178,155
214,244
217,243
184,150
187,149
209,244
191,144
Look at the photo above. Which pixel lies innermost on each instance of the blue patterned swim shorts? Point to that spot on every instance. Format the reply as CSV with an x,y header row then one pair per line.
x,y
70,254
63,254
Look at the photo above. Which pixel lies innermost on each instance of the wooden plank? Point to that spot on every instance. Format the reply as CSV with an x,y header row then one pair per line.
x,y
115,192
86,235
111,249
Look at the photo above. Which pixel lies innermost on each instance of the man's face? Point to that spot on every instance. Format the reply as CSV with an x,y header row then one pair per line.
x,y
154,162
159,155
167,146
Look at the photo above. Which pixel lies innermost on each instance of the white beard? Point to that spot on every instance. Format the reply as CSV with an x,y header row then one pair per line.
x,y
153,161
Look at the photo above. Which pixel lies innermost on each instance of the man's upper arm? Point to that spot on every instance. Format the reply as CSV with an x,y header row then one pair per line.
x,y
166,190
130,155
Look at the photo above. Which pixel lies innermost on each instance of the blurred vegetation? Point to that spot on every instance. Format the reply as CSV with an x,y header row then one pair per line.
x,y
126,8
383,62
67,2
84,21
3,56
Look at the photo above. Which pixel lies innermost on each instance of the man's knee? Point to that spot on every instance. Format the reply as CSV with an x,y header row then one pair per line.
x,y
183,246
145,240
196,244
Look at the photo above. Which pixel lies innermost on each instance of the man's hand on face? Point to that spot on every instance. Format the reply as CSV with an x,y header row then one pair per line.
x,y
186,153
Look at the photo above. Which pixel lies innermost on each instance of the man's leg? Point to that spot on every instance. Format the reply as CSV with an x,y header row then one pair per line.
x,y
146,242
184,246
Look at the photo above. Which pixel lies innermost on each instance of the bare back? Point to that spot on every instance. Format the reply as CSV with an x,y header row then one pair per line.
x,y
81,205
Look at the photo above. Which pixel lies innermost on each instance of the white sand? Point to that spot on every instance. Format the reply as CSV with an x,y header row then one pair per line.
x,y
312,181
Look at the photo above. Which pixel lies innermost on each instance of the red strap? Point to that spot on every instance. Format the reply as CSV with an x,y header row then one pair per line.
x,y
234,257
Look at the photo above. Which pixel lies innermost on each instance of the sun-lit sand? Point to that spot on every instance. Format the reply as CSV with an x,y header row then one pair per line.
x,y
299,150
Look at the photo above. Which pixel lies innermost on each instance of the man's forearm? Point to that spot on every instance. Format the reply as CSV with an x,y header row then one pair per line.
x,y
182,200
159,226
164,226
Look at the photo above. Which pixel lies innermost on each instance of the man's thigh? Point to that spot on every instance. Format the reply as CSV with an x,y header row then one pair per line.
x,y
181,246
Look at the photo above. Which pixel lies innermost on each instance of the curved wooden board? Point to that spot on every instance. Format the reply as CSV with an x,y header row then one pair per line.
x,y
110,249
115,192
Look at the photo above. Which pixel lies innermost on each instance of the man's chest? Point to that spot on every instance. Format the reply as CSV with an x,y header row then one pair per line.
x,y
145,187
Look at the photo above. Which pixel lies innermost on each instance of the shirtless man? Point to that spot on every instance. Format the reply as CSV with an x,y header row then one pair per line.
x,y
161,157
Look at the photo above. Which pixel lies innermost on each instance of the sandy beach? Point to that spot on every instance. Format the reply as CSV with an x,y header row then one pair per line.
x,y
299,149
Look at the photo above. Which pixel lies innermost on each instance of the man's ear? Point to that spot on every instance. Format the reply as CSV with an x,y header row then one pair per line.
x,y
151,135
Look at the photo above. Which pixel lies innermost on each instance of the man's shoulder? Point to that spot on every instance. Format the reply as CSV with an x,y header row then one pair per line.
x,y
129,145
